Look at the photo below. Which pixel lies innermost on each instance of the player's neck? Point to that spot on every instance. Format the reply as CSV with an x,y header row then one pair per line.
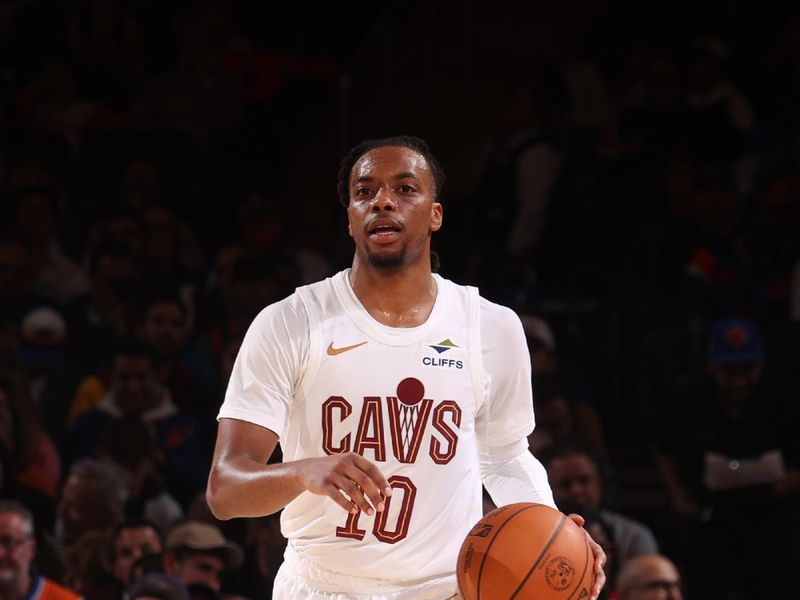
x,y
395,297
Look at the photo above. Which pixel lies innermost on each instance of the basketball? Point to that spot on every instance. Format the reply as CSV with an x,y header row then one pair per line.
x,y
525,550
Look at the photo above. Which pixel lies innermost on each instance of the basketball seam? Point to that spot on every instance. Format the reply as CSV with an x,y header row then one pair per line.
x,y
486,551
538,560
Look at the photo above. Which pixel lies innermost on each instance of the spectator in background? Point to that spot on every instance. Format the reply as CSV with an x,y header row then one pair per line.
x,y
165,328
563,410
92,499
135,392
718,275
547,362
88,568
129,444
58,278
43,341
518,174
17,275
102,316
562,419
198,553
719,114
263,556
729,456
173,255
578,486
148,563
34,472
131,541
18,579
159,586
650,576
198,98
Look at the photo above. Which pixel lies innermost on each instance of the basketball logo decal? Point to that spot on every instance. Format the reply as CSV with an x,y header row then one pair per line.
x,y
482,530
559,573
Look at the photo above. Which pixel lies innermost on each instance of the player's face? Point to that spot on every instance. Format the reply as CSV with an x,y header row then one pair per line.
x,y
392,209
575,481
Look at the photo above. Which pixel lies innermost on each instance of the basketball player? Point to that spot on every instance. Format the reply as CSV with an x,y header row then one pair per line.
x,y
394,393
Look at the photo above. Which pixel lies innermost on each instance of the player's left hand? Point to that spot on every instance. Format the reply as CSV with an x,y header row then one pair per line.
x,y
599,558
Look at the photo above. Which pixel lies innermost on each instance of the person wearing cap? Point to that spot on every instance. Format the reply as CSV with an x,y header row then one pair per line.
x,y
561,394
729,456
198,553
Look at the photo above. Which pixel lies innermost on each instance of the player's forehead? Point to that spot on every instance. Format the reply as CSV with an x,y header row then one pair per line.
x,y
392,162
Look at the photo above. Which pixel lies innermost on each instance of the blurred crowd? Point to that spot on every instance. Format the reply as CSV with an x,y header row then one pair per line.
x,y
637,203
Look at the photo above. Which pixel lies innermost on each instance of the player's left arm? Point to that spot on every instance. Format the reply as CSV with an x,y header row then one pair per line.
x,y
510,472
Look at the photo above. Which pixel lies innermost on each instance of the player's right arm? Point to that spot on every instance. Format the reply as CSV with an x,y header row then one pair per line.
x,y
271,363
241,484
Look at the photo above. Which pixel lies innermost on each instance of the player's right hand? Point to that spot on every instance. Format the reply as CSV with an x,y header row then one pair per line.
x,y
350,480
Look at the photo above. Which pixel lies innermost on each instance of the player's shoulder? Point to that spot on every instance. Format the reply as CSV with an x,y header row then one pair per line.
x,y
293,311
499,316
287,309
492,315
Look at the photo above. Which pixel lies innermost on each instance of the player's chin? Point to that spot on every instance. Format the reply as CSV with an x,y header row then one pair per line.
x,y
386,259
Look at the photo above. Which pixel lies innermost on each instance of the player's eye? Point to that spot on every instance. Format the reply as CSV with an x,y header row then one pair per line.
x,y
362,192
406,189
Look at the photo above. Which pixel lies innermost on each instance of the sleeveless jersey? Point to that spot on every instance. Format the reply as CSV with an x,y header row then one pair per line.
x,y
318,370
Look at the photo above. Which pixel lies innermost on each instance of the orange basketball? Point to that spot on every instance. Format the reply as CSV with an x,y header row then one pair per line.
x,y
525,551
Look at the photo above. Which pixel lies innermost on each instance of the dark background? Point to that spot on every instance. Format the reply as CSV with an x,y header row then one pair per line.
x,y
663,216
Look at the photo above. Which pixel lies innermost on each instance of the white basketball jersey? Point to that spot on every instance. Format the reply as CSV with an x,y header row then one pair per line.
x,y
404,398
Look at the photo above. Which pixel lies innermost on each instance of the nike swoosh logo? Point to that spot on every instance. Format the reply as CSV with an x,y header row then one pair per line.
x,y
334,351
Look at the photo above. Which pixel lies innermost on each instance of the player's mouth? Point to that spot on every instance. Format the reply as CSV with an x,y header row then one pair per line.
x,y
384,231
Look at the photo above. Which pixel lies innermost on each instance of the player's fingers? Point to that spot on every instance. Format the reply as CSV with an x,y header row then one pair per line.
x,y
579,520
335,493
352,489
372,482
599,561
374,473
599,582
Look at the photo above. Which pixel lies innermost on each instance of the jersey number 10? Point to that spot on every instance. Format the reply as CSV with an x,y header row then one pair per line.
x,y
381,529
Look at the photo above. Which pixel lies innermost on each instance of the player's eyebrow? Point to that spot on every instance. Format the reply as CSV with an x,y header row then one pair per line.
x,y
403,175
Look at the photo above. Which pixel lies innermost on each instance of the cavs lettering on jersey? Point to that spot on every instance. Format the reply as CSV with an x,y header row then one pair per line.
x,y
318,370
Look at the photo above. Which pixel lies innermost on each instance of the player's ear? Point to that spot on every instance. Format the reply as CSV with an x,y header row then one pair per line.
x,y
436,216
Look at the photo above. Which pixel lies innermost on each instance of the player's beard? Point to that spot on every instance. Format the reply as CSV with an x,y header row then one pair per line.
x,y
387,261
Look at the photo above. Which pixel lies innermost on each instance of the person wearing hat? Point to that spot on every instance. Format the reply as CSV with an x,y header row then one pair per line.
x,y
197,552
729,455
561,394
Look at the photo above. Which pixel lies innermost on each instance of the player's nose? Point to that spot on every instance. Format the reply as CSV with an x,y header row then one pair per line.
x,y
384,200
